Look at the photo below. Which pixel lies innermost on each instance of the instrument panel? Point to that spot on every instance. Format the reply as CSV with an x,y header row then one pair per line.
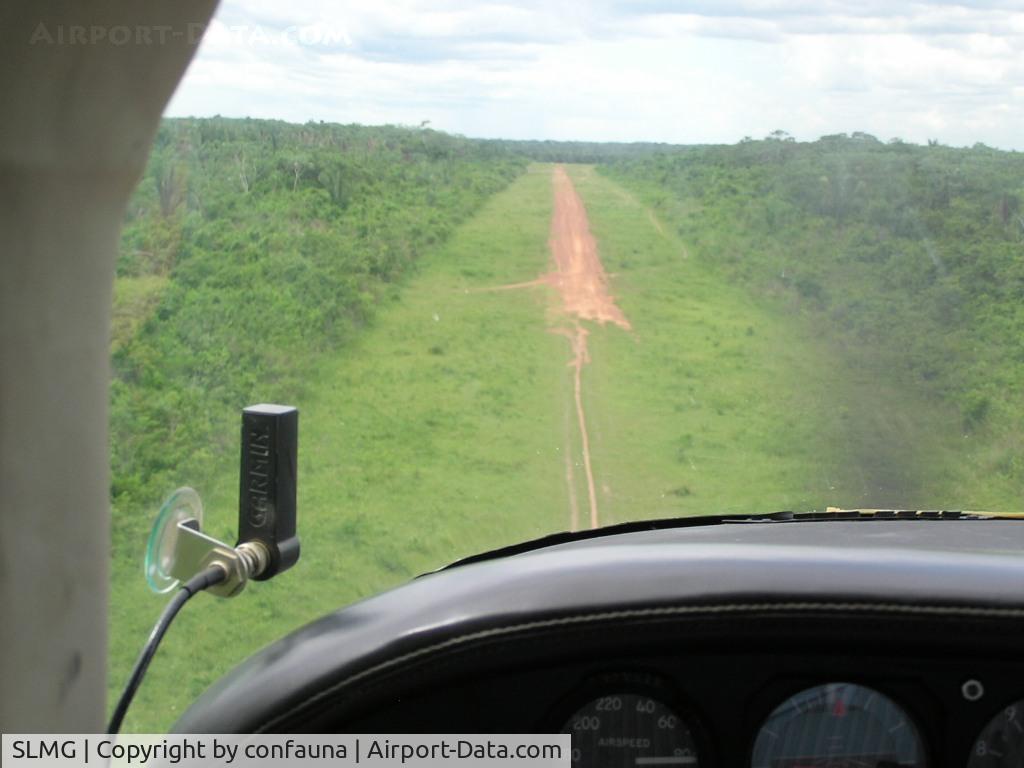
x,y
635,720
834,725
622,720
760,710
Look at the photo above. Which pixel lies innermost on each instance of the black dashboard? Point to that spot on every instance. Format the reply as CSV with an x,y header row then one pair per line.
x,y
879,640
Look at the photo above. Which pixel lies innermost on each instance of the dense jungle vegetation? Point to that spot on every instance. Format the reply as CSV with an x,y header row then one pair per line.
x,y
249,247
909,258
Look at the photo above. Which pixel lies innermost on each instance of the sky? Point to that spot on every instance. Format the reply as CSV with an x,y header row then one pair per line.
x,y
700,71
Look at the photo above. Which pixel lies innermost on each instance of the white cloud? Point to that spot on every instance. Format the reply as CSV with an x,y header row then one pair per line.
x,y
699,71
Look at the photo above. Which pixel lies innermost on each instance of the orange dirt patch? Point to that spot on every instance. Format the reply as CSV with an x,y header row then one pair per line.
x,y
579,276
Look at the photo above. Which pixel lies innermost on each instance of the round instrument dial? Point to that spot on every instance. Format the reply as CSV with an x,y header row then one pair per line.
x,y
838,725
629,729
1001,743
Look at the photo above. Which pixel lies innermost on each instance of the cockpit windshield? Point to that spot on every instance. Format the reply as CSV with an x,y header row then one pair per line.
x,y
529,267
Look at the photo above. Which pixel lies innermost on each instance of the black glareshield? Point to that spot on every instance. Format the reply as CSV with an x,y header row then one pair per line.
x,y
266,499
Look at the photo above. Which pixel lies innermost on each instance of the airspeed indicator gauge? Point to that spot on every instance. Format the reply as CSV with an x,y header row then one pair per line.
x,y
629,730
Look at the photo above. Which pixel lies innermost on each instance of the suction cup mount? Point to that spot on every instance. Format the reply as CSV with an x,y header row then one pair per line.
x,y
178,549
182,508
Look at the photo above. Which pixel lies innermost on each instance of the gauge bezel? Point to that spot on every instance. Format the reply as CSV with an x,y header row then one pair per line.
x,y
776,693
642,682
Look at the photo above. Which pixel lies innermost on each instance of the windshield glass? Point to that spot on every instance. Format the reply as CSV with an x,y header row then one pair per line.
x,y
534,267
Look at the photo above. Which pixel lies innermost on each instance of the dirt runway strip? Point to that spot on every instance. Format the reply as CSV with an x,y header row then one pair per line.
x,y
583,285
579,275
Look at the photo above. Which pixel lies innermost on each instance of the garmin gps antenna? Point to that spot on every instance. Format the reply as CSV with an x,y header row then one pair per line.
x,y
180,556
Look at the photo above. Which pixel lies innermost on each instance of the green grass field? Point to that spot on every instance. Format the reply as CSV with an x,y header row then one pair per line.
x,y
443,430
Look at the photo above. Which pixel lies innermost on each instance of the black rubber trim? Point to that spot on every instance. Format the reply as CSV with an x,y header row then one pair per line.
x,y
704,521
725,609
